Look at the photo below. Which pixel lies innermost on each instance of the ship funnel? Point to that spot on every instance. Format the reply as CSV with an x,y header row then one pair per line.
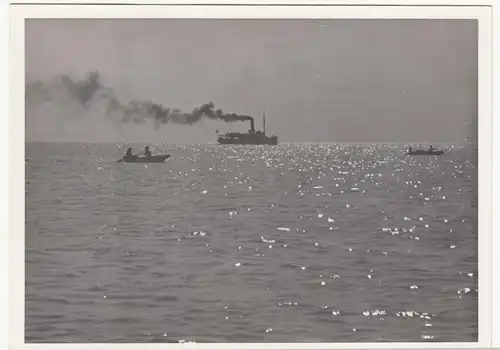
x,y
264,121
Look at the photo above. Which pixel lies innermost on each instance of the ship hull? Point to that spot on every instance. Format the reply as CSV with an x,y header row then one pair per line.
x,y
270,141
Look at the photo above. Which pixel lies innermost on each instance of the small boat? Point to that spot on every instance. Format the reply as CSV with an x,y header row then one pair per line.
x,y
145,159
418,152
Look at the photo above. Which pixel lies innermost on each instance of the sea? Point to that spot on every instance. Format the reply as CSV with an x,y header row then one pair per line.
x,y
269,244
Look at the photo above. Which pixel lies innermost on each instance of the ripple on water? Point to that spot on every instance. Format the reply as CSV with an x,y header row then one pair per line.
x,y
292,238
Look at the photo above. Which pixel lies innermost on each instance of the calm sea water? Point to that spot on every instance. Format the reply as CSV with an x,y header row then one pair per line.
x,y
295,243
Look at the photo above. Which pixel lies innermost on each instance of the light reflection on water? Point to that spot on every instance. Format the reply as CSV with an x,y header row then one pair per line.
x,y
251,244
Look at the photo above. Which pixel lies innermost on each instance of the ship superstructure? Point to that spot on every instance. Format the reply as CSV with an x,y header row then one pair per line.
x,y
252,137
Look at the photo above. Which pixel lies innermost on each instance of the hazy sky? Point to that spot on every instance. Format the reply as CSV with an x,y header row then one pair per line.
x,y
318,80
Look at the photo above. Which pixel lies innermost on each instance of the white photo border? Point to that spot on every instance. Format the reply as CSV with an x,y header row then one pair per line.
x,y
4,187
482,10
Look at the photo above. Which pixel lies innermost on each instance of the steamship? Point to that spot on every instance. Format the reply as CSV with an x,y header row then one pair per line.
x,y
252,137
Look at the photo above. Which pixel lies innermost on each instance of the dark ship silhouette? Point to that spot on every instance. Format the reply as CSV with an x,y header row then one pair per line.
x,y
252,137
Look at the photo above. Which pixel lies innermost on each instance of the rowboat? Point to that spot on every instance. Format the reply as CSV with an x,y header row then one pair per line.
x,y
419,152
145,159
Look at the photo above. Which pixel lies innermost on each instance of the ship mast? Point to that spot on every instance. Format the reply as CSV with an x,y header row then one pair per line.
x,y
264,121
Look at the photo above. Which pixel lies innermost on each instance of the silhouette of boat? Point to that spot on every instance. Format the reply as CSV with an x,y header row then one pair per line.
x,y
145,159
252,137
418,152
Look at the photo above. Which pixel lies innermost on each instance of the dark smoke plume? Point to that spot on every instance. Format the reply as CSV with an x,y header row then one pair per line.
x,y
135,111
90,92
82,91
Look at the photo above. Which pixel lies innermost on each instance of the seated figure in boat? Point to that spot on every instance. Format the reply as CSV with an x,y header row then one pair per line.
x,y
410,149
147,152
431,148
129,152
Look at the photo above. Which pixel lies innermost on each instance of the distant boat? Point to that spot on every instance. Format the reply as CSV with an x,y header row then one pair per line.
x,y
145,159
251,138
429,152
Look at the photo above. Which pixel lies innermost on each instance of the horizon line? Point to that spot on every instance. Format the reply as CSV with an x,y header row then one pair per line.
x,y
281,143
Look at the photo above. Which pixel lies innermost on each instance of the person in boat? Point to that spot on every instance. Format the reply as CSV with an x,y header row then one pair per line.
x,y
147,152
129,152
431,148
410,149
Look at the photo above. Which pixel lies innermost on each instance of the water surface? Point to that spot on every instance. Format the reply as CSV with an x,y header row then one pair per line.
x,y
294,243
